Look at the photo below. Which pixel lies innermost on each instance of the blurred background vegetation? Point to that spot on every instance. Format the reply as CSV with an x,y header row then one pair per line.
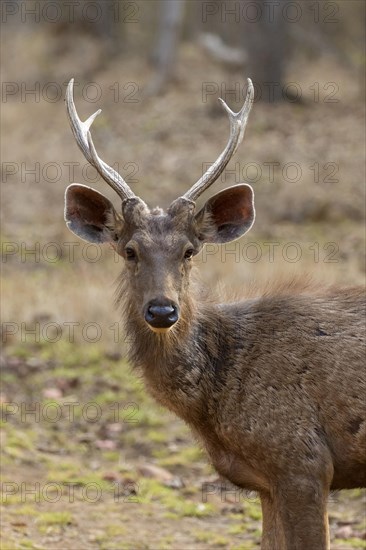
x,y
157,68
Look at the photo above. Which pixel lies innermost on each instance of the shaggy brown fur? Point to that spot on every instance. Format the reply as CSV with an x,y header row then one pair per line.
x,y
273,386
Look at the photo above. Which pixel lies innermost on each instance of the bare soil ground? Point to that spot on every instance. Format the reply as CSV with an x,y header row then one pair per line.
x,y
88,460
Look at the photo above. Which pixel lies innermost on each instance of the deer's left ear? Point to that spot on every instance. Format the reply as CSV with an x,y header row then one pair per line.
x,y
227,215
90,215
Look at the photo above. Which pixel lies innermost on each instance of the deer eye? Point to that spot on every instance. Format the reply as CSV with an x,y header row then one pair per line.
x,y
130,253
188,253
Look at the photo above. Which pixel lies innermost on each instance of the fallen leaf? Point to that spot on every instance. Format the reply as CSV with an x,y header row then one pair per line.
x,y
166,477
52,393
106,444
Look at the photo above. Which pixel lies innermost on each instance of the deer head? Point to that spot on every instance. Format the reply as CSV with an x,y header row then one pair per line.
x,y
158,246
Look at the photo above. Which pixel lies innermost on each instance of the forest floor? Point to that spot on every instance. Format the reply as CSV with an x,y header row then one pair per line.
x,y
89,461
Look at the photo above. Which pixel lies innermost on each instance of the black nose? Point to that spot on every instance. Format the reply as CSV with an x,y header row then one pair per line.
x,y
161,314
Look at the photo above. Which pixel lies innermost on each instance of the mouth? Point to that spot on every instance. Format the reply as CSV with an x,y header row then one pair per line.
x,y
159,330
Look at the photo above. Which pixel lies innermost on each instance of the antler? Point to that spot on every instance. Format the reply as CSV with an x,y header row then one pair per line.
x,y
238,122
84,140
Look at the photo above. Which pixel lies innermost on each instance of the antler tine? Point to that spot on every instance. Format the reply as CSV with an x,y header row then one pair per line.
x,y
238,122
82,136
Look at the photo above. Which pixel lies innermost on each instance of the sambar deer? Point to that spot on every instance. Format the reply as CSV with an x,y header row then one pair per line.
x,y
273,386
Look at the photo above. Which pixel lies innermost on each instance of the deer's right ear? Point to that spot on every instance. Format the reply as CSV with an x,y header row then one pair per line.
x,y
90,215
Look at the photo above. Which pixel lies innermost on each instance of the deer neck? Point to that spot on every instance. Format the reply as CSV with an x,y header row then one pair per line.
x,y
178,364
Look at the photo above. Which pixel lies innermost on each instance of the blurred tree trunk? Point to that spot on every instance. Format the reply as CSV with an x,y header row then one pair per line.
x,y
164,56
100,18
108,26
265,40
